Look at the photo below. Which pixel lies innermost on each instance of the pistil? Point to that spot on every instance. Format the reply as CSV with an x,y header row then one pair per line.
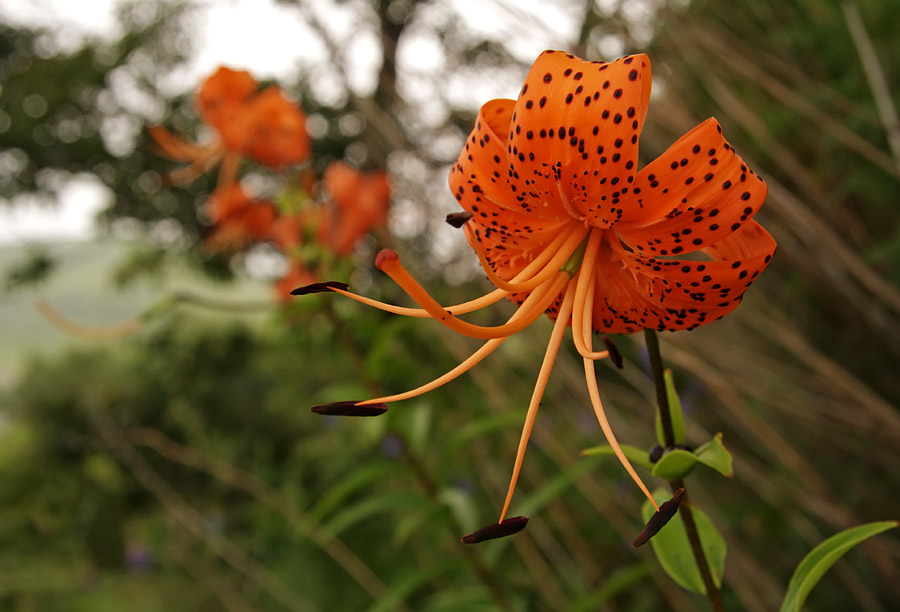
x,y
389,262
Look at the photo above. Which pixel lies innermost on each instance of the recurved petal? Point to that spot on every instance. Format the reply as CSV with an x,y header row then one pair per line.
x,y
500,223
681,294
480,179
695,194
619,306
573,140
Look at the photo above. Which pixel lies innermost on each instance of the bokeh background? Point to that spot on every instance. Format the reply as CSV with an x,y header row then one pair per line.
x,y
177,467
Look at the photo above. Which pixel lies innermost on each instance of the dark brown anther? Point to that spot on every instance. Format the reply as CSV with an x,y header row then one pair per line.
x,y
659,519
497,530
458,219
320,287
350,409
614,355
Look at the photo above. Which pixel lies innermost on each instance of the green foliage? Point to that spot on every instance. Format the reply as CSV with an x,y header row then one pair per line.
x,y
30,270
676,413
637,456
814,565
678,463
674,464
673,550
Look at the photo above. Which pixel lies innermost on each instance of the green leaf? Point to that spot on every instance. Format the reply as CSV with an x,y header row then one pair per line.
x,y
410,523
637,456
679,463
461,505
407,585
675,411
553,488
418,425
673,550
618,582
373,506
714,455
822,557
348,485
484,426
675,464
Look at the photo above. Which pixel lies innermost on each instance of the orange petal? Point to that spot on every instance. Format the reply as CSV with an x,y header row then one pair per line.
x,y
693,195
574,134
277,133
666,294
221,92
176,148
480,180
361,204
507,234
298,274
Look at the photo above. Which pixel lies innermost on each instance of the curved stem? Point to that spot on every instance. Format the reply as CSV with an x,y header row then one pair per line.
x,y
662,399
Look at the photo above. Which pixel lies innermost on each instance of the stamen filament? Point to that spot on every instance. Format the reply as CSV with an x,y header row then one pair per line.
x,y
559,330
388,262
591,379
555,255
87,332
586,326
584,301
472,305
465,307
475,358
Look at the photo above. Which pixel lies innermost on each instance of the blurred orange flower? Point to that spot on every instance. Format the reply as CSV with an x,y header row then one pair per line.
x,y
262,125
297,274
276,130
360,204
238,220
220,101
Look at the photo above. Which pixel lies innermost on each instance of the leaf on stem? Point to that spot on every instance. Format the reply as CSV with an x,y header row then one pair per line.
x,y
673,550
637,456
659,519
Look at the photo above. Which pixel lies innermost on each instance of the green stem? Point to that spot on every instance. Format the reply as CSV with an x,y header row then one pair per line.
x,y
662,399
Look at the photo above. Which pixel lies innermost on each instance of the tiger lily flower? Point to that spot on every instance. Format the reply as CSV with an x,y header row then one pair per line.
x,y
564,223
263,126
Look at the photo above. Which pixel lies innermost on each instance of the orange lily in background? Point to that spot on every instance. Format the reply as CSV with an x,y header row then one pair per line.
x,y
264,126
564,223
297,274
275,130
238,220
360,204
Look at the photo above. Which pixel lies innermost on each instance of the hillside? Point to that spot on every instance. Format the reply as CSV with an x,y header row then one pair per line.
x,y
81,289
